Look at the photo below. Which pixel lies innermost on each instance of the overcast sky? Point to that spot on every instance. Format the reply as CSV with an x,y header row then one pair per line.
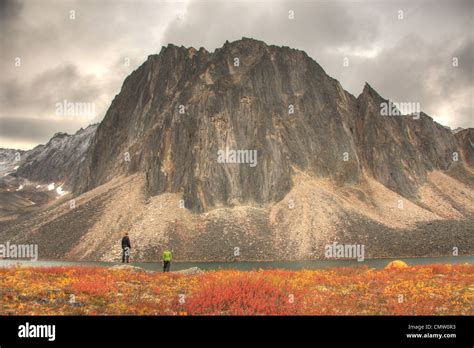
x,y
48,54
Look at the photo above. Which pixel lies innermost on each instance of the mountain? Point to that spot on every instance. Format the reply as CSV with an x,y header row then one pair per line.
x,y
240,108
30,179
253,147
59,159
399,151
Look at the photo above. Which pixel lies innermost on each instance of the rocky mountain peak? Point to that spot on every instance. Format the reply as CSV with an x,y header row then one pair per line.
x,y
60,135
177,111
233,126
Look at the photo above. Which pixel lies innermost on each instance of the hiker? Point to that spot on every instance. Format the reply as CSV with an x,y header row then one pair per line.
x,y
167,256
126,246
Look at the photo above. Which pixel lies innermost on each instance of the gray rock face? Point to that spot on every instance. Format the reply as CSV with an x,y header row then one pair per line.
x,y
399,150
277,102
465,139
181,107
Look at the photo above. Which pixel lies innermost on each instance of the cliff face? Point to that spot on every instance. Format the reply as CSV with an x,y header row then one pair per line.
x,y
399,151
181,107
465,139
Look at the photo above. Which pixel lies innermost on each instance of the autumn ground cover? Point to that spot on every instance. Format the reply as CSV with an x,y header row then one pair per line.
x,y
417,290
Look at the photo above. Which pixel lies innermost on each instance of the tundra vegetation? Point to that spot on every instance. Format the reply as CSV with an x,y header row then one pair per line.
x,y
418,290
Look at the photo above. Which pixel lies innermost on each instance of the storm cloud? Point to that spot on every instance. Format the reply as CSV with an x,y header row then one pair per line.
x,y
81,51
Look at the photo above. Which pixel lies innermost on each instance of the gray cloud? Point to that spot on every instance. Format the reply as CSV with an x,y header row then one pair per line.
x,y
83,59
37,130
78,60
9,10
315,25
408,59
406,74
48,88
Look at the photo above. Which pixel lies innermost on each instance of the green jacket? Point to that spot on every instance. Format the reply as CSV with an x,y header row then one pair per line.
x,y
167,256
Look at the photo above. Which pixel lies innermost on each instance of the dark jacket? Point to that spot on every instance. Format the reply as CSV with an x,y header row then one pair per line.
x,y
126,243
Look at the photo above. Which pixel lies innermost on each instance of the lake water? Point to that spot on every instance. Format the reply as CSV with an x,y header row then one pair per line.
x,y
246,266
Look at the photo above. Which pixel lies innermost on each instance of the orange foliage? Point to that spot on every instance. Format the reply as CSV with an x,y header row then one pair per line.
x,y
419,290
242,293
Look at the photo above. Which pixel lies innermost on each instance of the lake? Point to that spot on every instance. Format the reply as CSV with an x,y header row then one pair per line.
x,y
246,266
